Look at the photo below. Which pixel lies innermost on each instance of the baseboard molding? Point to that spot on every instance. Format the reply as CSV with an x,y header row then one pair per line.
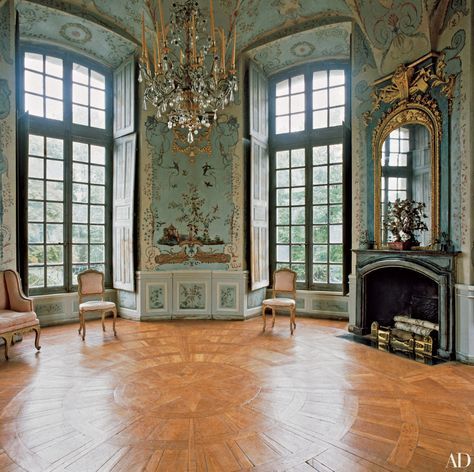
x,y
464,358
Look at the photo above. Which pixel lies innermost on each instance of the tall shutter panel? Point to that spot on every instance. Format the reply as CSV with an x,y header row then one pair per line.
x,y
259,263
124,177
123,192
259,168
124,99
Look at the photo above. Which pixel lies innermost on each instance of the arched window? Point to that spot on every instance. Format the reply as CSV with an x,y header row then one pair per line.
x,y
65,166
310,174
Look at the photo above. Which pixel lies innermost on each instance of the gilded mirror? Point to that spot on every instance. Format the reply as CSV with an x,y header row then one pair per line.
x,y
406,166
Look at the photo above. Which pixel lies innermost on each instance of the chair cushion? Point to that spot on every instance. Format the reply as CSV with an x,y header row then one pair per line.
x,y
96,305
14,319
279,302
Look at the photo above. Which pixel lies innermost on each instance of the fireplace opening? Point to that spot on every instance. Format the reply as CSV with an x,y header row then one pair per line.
x,y
391,291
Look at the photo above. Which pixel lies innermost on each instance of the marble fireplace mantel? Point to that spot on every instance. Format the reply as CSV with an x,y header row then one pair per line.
x,y
438,267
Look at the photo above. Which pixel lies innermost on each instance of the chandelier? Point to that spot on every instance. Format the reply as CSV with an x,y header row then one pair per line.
x,y
186,76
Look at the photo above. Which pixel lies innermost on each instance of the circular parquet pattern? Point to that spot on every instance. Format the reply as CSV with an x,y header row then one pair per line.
x,y
187,389
223,396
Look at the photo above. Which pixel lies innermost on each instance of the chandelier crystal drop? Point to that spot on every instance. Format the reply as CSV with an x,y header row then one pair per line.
x,y
185,74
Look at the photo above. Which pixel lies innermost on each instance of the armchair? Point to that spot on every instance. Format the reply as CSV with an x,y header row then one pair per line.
x,y
17,315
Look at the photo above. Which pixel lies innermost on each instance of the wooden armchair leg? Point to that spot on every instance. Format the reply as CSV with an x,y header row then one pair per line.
x,y
114,320
37,331
6,339
103,318
264,318
273,317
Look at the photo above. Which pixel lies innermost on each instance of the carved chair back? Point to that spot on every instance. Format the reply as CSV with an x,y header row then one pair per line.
x,y
90,283
284,281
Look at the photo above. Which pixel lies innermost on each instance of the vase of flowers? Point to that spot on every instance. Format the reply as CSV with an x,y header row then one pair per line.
x,y
404,218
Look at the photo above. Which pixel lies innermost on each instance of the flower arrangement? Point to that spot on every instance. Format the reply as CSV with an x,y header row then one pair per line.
x,y
404,218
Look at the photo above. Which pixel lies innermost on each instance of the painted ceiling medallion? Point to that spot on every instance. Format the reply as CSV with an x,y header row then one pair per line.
x,y
75,33
302,49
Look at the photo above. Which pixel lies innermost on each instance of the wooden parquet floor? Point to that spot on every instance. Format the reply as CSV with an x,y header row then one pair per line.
x,y
222,396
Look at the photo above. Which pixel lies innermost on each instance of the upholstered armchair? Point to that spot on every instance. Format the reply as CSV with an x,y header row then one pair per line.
x,y
17,315
90,283
284,281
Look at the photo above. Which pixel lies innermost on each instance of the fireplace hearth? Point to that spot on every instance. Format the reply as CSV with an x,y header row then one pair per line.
x,y
416,284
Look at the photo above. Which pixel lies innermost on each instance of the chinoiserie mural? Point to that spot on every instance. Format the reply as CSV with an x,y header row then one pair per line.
x,y
190,221
7,135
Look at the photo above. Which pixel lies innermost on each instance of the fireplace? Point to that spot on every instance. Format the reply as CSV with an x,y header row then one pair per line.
x,y
418,284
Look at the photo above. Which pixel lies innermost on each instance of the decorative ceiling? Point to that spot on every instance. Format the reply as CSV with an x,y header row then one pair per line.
x,y
51,26
392,29
324,42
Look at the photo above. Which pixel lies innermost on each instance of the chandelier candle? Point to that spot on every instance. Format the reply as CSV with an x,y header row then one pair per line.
x,y
189,81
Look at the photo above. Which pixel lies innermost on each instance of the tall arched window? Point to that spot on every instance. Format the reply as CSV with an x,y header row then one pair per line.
x,y
310,174
65,167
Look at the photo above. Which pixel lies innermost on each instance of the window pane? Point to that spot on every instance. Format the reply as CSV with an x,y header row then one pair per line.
x,y
283,197
80,213
98,155
336,96
335,274
335,234
97,80
54,233
297,103
283,178
335,253
55,277
335,193
336,77
54,88
35,211
80,94
80,115
297,253
35,189
335,174
320,155
320,99
336,116
54,148
320,253
320,234
335,214
297,84
97,234
34,82
80,172
97,253
97,214
320,215
97,99
335,153
298,196
97,175
54,109
282,159
283,216
320,175
54,191
320,79
54,66
298,177
283,234
282,124
320,273
298,234
320,119
282,106
36,167
34,61
80,193
80,74
297,122
55,254
35,277
80,233
80,253
54,212
35,254
282,88
80,151
36,145
300,272
34,104
298,215
283,253
320,195
297,158
35,233
54,170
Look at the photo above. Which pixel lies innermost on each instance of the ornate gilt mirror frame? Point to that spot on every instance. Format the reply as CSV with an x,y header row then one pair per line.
x,y
408,100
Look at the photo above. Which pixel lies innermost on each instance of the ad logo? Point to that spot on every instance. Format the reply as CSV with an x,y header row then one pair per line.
x,y
459,460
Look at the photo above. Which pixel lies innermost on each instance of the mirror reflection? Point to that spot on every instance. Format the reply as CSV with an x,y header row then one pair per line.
x,y
406,173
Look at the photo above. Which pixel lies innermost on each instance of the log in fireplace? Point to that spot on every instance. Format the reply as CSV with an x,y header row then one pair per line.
x,y
418,284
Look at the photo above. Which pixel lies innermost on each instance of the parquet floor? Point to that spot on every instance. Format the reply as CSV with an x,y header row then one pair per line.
x,y
222,396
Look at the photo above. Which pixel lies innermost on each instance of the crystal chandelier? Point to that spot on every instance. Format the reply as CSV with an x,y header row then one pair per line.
x,y
185,74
